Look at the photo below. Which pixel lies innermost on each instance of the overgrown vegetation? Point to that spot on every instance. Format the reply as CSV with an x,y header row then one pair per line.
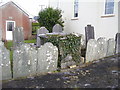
x,y
35,27
68,44
49,17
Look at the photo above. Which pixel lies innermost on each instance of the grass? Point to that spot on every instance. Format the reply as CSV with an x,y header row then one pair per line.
x,y
30,41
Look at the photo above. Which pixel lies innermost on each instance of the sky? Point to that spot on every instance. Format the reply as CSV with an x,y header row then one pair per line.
x,y
32,7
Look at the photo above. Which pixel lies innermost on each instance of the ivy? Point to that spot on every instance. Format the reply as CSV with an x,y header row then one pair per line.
x,y
68,44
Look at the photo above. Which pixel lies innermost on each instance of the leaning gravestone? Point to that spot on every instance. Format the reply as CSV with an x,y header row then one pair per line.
x,y
24,61
110,47
93,50
18,36
57,28
5,65
117,46
102,44
47,58
41,31
89,33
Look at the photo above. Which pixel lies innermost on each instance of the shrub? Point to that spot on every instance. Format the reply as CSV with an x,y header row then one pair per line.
x,y
49,17
35,27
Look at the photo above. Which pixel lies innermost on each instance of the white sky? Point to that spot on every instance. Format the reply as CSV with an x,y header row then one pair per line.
x,y
31,6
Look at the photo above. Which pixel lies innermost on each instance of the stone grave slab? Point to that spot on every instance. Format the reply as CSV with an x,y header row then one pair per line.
x,y
18,36
5,65
41,31
92,52
57,28
24,61
117,45
47,58
89,33
102,44
110,47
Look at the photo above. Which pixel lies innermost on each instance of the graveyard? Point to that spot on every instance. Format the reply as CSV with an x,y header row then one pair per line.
x,y
60,60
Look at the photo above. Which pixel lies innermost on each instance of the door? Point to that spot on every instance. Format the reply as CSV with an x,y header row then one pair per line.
x,y
10,25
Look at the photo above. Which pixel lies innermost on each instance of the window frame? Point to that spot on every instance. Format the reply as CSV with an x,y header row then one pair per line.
x,y
104,10
107,2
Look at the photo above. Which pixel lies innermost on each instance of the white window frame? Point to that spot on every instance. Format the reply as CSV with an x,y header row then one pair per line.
x,y
73,16
108,15
8,22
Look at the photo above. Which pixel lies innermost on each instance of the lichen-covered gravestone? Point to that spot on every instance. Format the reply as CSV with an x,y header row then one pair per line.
x,y
117,46
82,41
5,62
110,47
0,34
102,44
18,36
57,28
93,50
24,61
41,31
47,58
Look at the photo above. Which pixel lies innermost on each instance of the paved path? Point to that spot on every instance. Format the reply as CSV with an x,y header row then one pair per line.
x,y
100,74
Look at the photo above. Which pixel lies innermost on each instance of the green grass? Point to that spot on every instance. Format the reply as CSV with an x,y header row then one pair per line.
x,y
30,41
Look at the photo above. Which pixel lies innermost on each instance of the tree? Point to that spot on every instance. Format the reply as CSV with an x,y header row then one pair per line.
x,y
49,17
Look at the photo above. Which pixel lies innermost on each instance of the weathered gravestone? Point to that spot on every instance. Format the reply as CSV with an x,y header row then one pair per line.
x,y
89,33
47,58
110,47
57,28
93,50
102,44
0,58
82,41
117,46
41,31
0,34
5,66
24,61
18,36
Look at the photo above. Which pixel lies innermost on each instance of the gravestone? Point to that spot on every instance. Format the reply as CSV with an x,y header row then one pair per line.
x,y
0,34
89,33
18,36
117,45
24,61
5,66
57,28
82,41
93,50
110,47
41,31
47,58
102,44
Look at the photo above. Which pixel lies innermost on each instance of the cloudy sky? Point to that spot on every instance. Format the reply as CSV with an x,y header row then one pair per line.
x,y
31,6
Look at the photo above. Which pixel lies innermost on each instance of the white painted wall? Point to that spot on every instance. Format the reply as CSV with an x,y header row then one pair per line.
x,y
90,12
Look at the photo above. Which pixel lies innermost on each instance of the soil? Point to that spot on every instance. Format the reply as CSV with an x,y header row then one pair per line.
x,y
102,73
